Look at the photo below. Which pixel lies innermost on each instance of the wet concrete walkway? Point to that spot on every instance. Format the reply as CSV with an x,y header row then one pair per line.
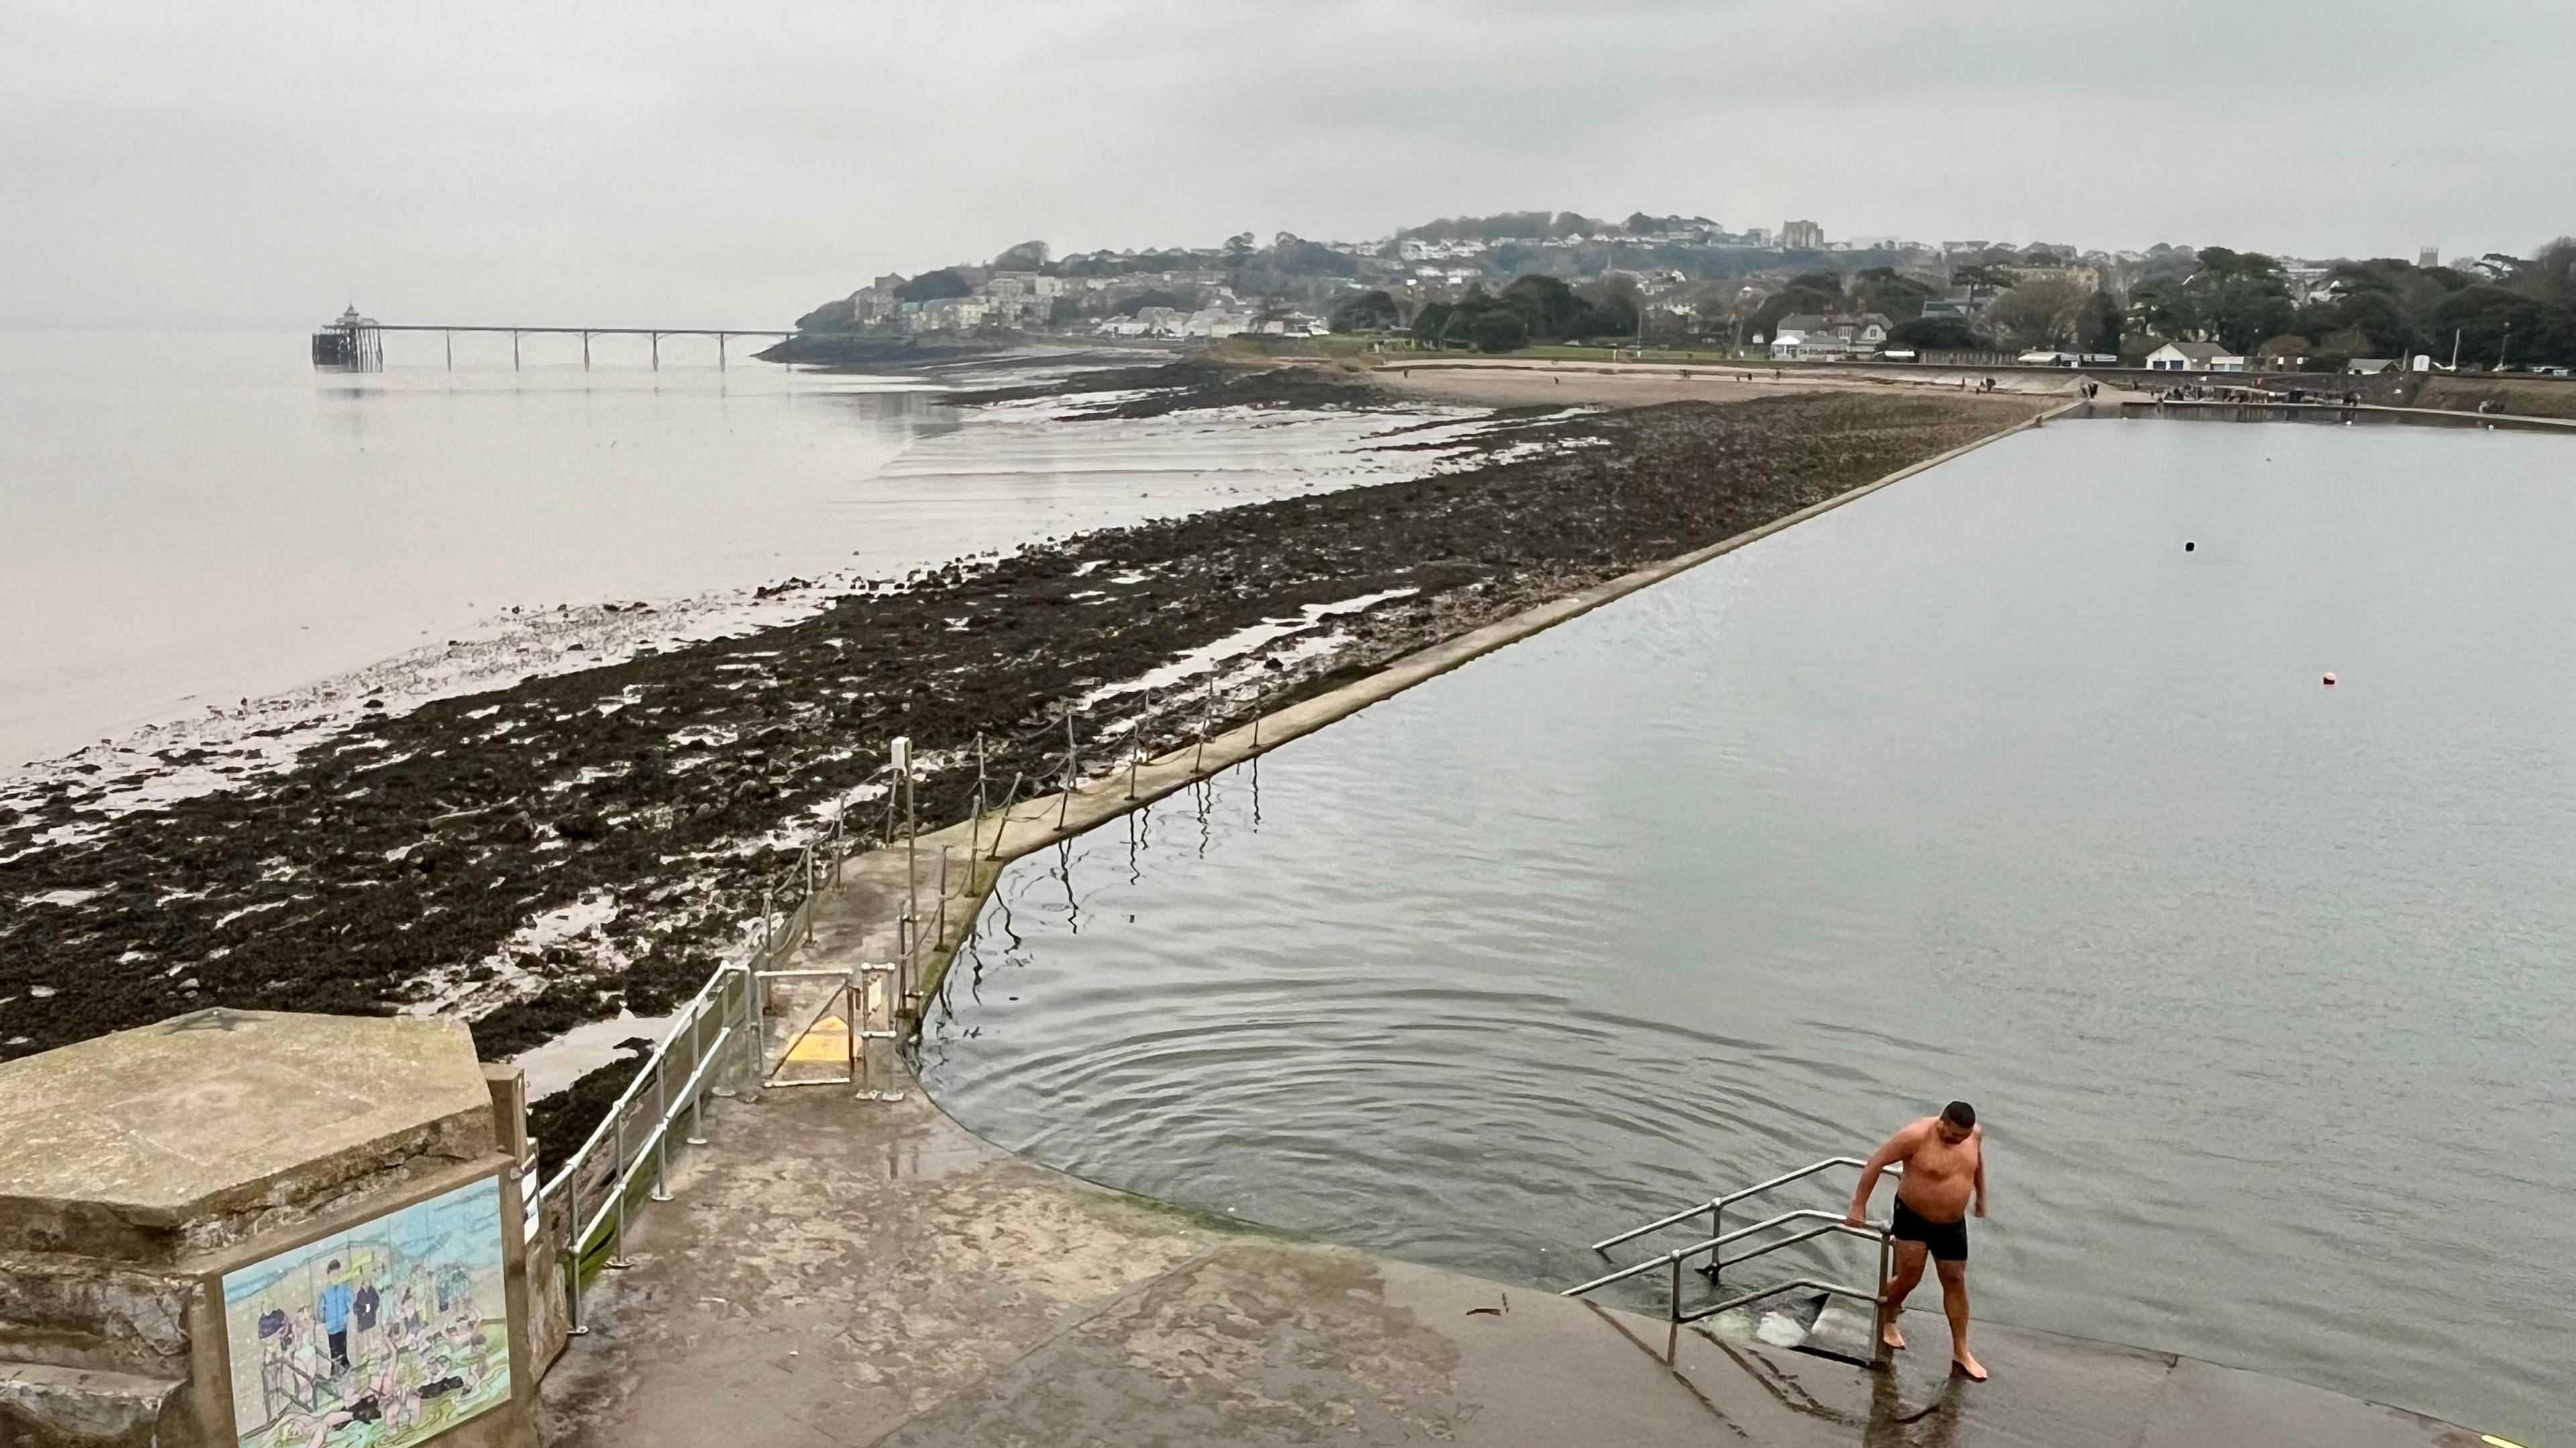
x,y
837,1272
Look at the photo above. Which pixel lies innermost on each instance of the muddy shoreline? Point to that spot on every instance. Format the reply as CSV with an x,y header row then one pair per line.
x,y
540,855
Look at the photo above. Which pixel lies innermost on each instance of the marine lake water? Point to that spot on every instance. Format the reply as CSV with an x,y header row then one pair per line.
x,y
1980,787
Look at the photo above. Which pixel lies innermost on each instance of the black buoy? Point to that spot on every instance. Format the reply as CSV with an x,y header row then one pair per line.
x,y
2188,546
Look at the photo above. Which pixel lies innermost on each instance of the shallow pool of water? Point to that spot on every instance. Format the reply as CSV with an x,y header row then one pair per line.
x,y
1981,787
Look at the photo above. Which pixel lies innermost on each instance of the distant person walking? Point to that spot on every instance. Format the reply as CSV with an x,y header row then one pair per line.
x,y
1944,1158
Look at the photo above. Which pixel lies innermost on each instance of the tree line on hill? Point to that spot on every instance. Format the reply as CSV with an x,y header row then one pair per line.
x,y
1546,226
2496,310
1529,309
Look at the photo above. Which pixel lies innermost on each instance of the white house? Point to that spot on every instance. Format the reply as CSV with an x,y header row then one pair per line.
x,y
1213,322
1791,345
1291,324
1807,336
2194,357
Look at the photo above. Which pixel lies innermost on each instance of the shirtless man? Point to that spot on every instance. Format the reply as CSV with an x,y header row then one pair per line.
x,y
1944,1158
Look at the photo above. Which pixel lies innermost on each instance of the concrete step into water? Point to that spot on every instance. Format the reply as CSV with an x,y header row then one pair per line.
x,y
1811,1322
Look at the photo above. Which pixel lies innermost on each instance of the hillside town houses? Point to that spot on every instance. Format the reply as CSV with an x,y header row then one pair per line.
x,y
1681,280
1029,300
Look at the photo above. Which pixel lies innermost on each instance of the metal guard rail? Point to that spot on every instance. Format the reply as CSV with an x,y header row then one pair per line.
x,y
1716,1206
1833,1222
1715,1244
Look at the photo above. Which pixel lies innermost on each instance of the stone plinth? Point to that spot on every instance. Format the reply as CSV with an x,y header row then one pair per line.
x,y
247,1228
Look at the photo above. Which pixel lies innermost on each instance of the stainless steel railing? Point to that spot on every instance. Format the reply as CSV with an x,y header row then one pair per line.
x,y
1714,1246
629,1151
1716,1206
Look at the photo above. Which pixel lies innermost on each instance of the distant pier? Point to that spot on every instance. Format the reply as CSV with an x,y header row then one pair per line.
x,y
352,343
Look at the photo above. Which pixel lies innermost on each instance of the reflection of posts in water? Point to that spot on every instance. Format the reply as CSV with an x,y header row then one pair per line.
x,y
1136,744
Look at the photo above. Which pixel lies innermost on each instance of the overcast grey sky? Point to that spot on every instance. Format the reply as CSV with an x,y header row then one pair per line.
x,y
219,163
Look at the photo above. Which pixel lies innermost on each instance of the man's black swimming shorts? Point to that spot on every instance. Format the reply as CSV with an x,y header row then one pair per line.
x,y
1948,1241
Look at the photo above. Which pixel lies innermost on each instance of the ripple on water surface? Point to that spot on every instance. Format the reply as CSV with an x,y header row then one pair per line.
x,y
1980,787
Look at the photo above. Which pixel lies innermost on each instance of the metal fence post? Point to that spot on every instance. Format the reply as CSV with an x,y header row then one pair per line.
x,y
1136,745
940,933
661,1128
572,1289
975,821
910,932
1072,772
697,1058
755,1031
1003,826
617,1245
854,1000
1207,712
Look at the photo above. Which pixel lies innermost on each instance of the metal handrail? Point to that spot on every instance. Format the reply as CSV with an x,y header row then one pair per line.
x,y
1834,1222
654,1144
1714,1248
686,1019
1719,1204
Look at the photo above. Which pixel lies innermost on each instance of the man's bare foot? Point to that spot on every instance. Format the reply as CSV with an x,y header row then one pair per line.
x,y
1965,1362
1893,1337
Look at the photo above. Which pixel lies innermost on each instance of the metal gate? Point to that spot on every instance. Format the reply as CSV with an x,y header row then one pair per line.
x,y
845,1032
